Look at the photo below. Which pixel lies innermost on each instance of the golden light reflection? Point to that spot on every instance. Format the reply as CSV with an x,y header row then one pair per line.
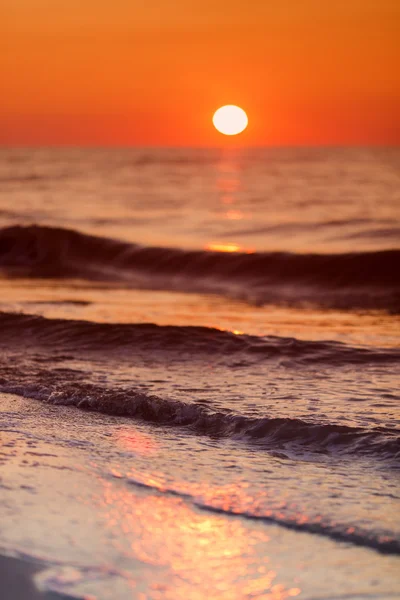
x,y
235,215
57,300
215,247
135,441
191,554
224,247
228,182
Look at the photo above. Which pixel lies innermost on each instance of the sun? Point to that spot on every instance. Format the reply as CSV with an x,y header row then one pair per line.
x,y
230,120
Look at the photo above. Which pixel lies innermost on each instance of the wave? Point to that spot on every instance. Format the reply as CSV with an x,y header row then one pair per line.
x,y
292,435
22,178
38,337
352,280
67,335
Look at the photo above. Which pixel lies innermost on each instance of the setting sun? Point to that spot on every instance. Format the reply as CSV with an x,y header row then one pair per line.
x,y
230,120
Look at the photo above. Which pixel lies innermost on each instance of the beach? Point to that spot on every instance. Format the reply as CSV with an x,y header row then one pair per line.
x,y
70,497
199,374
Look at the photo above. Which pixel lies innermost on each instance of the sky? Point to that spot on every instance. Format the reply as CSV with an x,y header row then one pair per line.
x,y
152,72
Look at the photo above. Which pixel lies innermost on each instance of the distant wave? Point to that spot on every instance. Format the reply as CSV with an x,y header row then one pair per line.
x,y
22,178
67,335
353,280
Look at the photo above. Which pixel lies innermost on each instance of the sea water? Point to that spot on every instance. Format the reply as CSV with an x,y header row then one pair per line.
x,y
200,370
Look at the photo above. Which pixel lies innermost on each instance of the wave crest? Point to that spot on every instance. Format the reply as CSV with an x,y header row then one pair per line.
x,y
352,280
271,433
69,335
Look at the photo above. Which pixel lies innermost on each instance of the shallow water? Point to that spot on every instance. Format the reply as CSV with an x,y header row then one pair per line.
x,y
125,515
207,348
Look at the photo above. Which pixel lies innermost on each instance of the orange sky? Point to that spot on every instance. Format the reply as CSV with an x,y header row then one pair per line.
x,y
153,71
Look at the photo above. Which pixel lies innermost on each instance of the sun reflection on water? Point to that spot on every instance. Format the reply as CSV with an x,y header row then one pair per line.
x,y
236,215
194,554
217,247
136,441
224,247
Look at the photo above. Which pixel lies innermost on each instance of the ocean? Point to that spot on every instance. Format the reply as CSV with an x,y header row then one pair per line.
x,y
199,373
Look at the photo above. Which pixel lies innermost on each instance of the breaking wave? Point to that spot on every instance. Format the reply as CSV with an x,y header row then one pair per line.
x,y
290,434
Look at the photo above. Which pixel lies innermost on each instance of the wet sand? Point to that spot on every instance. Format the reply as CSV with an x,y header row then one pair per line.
x,y
66,499
16,576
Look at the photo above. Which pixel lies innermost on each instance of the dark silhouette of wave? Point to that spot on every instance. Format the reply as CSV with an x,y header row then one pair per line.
x,y
69,335
352,280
